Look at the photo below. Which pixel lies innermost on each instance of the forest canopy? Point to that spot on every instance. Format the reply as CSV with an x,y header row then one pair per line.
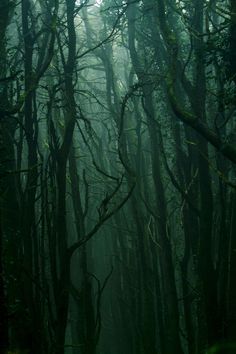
x,y
117,176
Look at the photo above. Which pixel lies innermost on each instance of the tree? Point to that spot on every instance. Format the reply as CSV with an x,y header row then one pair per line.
x,y
117,181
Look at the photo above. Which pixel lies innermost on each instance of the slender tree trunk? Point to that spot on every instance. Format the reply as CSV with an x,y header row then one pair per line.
x,y
4,340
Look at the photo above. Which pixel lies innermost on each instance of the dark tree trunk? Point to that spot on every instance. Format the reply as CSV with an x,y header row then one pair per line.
x,y
4,340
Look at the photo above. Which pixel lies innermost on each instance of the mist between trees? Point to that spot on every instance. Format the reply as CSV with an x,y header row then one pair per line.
x,y
117,177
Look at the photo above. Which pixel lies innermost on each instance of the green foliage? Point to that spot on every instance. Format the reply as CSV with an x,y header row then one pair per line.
x,y
229,347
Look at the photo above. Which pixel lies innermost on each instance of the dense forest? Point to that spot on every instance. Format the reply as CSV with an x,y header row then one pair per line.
x,y
117,176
